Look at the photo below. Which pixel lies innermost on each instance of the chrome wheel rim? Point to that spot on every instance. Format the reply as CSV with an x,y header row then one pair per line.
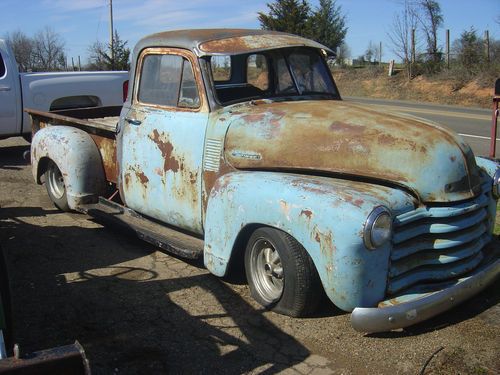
x,y
56,182
266,270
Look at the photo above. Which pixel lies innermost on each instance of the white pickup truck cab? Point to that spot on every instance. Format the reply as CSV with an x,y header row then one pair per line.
x,y
51,91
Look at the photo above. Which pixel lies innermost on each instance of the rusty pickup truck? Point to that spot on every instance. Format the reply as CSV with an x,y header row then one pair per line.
x,y
235,146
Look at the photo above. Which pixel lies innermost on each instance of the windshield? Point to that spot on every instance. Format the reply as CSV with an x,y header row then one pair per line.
x,y
300,73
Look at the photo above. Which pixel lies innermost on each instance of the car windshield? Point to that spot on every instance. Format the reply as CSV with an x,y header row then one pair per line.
x,y
300,73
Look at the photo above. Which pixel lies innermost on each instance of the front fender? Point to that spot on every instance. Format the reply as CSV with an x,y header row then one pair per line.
x,y
77,157
325,215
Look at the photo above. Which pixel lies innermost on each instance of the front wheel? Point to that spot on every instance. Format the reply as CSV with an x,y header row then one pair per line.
x,y
280,273
54,182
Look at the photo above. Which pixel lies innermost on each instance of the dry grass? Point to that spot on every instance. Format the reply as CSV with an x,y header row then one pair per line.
x,y
374,82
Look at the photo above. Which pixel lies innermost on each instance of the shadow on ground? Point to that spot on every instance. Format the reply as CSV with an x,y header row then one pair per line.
x,y
104,290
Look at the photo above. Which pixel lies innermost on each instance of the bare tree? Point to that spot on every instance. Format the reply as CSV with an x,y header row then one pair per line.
x,y
343,53
372,52
431,19
400,36
22,45
48,50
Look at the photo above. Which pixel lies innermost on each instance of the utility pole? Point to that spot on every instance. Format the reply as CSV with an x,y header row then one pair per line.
x,y
111,44
448,48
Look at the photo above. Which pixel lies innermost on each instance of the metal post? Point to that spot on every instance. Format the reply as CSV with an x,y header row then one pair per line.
x,y
79,64
72,64
448,48
487,45
380,53
413,46
111,39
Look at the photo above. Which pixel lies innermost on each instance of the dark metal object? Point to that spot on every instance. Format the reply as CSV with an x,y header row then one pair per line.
x,y
494,120
169,239
69,359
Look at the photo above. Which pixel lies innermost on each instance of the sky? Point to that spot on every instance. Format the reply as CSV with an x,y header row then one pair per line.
x,y
80,23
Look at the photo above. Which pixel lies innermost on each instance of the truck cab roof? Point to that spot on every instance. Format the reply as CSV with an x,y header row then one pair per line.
x,y
205,42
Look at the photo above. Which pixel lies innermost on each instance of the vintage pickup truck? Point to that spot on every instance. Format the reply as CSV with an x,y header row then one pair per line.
x,y
235,146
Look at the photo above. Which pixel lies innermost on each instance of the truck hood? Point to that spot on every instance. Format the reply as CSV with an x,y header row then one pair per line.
x,y
339,138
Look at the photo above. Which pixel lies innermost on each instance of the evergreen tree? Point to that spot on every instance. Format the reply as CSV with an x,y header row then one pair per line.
x,y
290,16
326,25
101,57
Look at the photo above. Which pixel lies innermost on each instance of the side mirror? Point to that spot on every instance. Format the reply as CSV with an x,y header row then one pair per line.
x,y
497,87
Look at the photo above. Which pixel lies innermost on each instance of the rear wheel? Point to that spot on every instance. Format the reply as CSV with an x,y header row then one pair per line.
x,y
54,182
280,273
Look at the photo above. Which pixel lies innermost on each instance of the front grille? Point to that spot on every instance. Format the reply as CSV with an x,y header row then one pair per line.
x,y
435,244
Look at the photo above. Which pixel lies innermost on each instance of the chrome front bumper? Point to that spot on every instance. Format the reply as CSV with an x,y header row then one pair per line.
x,y
382,319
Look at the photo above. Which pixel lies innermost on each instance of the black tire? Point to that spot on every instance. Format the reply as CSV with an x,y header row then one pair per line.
x,y
280,273
5,305
54,183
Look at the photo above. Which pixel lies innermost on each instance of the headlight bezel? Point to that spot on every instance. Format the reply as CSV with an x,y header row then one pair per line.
x,y
495,189
370,225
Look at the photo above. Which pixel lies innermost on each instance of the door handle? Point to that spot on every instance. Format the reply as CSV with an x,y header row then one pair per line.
x,y
4,88
133,121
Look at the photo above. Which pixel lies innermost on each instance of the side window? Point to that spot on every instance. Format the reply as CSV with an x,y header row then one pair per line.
x,y
257,71
221,67
189,97
2,67
168,80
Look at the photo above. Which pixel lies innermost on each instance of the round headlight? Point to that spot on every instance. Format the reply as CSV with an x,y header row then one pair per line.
x,y
496,184
378,228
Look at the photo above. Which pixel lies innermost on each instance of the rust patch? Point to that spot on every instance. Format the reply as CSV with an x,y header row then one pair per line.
x,y
387,140
107,150
127,180
193,177
166,149
142,177
453,158
306,213
325,241
358,202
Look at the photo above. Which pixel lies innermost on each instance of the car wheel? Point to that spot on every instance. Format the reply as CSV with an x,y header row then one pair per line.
x,y
280,273
54,182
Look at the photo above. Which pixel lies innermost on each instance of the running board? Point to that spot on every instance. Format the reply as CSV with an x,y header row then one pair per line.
x,y
166,238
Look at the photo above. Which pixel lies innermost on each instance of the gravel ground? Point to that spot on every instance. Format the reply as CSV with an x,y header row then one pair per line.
x,y
138,310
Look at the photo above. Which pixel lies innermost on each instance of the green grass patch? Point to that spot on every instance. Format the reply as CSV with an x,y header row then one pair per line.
x,y
496,231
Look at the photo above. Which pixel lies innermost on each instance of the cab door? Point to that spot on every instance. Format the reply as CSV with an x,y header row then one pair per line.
x,y
10,100
162,139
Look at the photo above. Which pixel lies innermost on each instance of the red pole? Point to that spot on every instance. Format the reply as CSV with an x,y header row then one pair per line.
x,y
494,123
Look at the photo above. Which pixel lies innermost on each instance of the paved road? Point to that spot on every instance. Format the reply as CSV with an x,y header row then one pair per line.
x,y
473,124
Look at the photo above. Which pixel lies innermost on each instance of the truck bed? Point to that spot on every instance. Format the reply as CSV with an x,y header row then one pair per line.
x,y
99,122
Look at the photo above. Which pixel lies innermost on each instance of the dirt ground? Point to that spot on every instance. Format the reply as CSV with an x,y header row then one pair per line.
x,y
138,310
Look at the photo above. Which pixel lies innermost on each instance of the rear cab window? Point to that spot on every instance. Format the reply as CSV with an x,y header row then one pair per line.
x,y
167,80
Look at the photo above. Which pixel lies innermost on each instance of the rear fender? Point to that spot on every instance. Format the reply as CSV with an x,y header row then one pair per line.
x,y
76,156
325,215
